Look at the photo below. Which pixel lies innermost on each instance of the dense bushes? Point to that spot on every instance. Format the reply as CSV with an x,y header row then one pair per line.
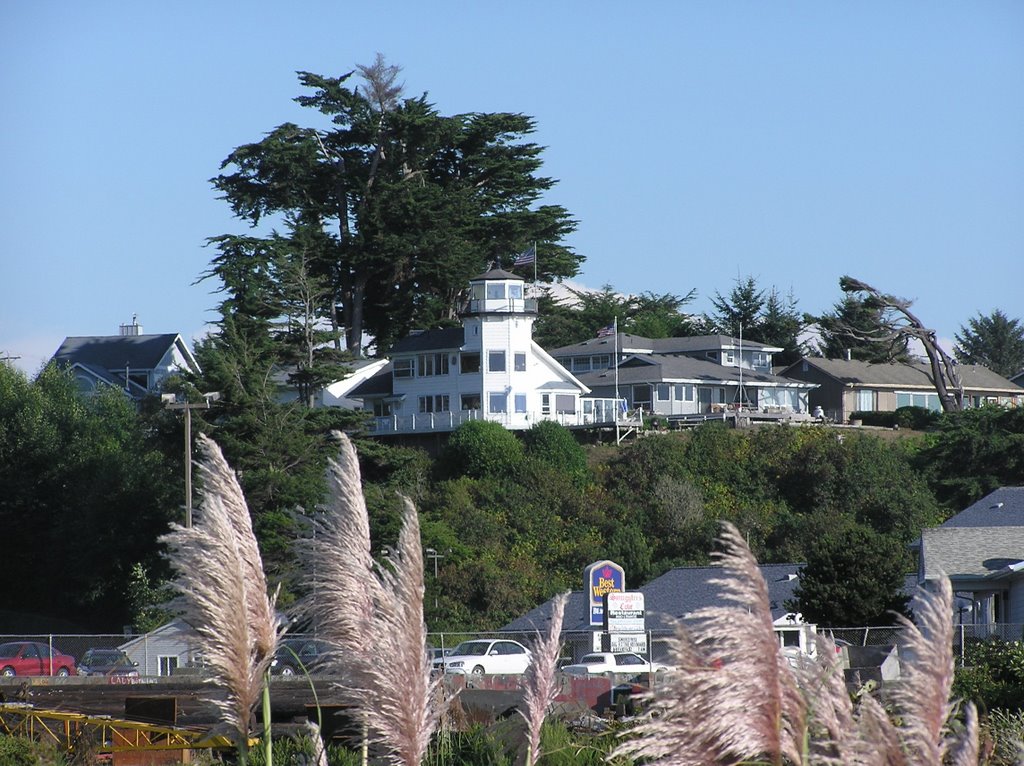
x,y
482,448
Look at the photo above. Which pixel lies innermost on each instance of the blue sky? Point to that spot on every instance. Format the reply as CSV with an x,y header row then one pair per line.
x,y
695,142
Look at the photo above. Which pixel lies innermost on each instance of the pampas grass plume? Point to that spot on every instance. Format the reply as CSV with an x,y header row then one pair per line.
x,y
223,590
540,684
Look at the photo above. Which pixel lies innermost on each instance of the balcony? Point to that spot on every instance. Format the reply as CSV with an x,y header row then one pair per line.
x,y
593,412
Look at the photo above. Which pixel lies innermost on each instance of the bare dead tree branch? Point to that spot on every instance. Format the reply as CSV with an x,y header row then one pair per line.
x,y
898,323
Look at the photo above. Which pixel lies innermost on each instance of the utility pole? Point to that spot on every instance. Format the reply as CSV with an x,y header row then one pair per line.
x,y
188,407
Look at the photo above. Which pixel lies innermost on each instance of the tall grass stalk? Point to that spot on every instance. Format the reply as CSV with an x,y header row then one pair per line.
x,y
540,684
223,593
734,698
373,615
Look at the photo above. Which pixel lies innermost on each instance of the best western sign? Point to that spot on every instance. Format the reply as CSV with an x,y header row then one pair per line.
x,y
600,579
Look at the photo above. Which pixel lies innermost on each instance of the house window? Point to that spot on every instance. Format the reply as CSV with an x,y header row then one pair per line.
x,y
711,355
381,408
515,292
760,360
728,357
168,663
565,403
497,401
404,368
433,364
601,362
496,361
865,400
663,392
545,404
520,403
684,393
471,401
642,395
470,362
928,401
520,363
495,290
581,364
436,403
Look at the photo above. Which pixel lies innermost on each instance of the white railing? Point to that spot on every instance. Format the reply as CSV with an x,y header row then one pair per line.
x,y
592,412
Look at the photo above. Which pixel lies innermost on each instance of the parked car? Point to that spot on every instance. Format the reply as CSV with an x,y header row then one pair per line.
x,y
299,655
438,656
607,663
486,656
107,662
32,658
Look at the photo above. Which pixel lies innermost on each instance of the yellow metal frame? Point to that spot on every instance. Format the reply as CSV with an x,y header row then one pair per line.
x,y
108,735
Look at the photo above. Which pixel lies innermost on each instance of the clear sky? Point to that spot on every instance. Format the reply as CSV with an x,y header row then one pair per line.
x,y
695,142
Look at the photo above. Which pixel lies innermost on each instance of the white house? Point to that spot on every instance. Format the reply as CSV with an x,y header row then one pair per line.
x,y
490,368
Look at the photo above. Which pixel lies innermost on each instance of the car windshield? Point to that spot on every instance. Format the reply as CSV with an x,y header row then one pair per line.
x,y
105,658
472,648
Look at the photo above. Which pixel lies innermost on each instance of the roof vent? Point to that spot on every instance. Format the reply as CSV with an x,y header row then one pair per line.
x,y
998,505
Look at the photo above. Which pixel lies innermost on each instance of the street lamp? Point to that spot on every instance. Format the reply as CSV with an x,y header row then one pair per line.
x,y
172,404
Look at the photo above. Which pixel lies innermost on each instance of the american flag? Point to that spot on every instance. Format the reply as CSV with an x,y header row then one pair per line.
x,y
606,331
529,255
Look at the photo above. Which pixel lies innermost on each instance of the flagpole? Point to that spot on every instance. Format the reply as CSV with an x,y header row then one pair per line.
x,y
535,263
615,327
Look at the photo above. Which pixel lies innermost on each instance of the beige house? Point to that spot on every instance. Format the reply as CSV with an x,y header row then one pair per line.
x,y
846,386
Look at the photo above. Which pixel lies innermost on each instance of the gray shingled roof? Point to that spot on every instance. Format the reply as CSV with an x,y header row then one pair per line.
x,y
115,352
972,552
676,593
855,372
639,344
446,338
497,274
649,369
380,383
1002,508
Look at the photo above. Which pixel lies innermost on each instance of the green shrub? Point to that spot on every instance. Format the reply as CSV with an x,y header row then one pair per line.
x,y
917,418
481,448
872,418
554,445
993,674
21,751
1006,731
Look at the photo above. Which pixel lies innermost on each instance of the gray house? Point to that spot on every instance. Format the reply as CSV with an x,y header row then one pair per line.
x,y
165,649
684,376
845,386
981,550
132,361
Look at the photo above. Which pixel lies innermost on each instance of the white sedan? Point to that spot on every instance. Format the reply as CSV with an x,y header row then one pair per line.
x,y
606,663
488,656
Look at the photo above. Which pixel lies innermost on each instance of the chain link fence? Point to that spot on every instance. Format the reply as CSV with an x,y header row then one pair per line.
x,y
165,651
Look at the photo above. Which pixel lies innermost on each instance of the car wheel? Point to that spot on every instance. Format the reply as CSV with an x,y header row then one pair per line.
x,y
287,670
8,672
63,673
478,670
